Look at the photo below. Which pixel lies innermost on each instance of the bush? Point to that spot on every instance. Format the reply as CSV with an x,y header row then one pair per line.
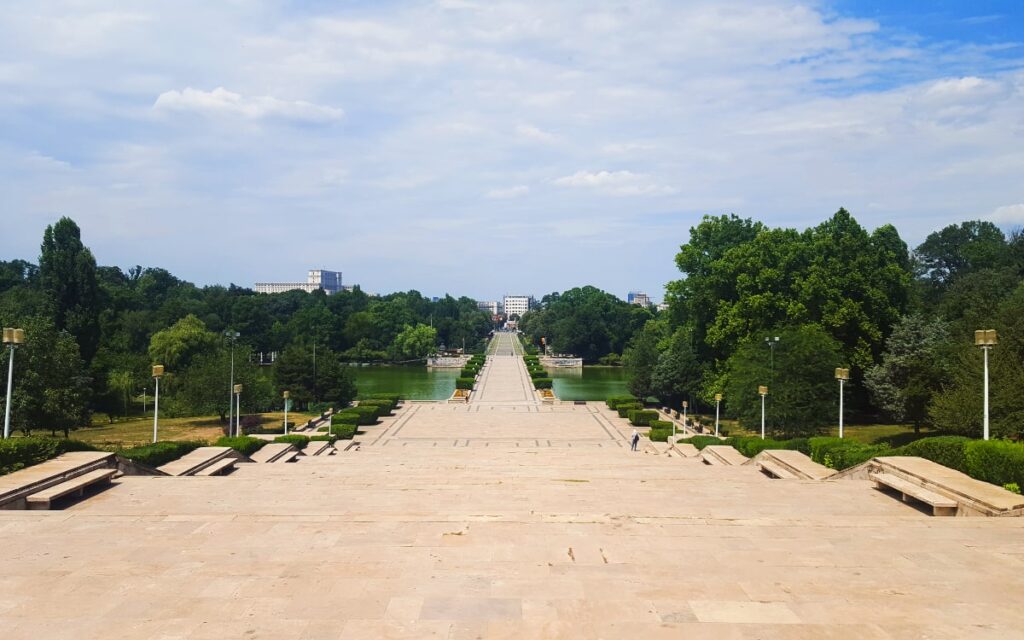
x,y
242,444
659,435
542,383
702,441
751,446
323,438
614,401
661,424
365,414
626,407
842,454
393,398
296,440
18,453
996,461
465,383
468,373
319,407
949,451
538,373
344,431
642,417
384,407
160,453
345,417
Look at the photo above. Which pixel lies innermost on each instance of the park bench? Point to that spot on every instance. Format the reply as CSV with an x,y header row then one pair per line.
x,y
941,505
76,485
221,467
775,470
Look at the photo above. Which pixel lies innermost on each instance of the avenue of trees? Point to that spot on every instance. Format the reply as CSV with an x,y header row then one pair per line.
x,y
92,333
837,295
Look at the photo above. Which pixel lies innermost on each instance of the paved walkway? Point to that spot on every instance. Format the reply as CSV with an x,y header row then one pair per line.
x,y
504,519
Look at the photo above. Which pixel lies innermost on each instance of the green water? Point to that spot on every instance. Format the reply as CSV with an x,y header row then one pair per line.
x,y
411,382
590,383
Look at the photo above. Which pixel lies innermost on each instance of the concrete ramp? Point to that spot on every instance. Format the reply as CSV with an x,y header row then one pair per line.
x,y
196,461
275,452
788,464
972,497
318,448
722,454
16,487
686,450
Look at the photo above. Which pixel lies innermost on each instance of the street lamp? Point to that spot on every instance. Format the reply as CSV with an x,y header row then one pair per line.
x,y
285,413
14,338
685,404
986,339
238,409
718,404
158,372
763,390
842,375
232,336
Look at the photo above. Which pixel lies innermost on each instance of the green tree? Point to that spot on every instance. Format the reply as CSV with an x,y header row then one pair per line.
x,y
803,397
957,250
641,357
330,380
176,346
414,343
67,274
914,365
121,381
678,372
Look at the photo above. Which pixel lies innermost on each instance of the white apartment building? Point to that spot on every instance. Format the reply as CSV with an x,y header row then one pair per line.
x,y
329,281
490,307
517,305
638,298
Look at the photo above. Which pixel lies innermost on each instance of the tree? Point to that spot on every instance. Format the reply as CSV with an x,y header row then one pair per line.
x,y
332,381
641,357
121,381
678,372
957,250
176,346
51,383
802,398
67,273
913,367
202,388
584,321
414,343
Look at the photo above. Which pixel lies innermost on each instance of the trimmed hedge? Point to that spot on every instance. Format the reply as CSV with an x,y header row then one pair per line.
x,y
615,401
384,407
949,451
18,453
642,417
345,417
661,424
995,461
468,373
465,383
538,373
659,435
702,441
365,414
344,431
160,453
323,438
626,407
298,441
542,383
242,444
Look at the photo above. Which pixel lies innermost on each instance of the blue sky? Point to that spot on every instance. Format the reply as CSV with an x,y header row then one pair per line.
x,y
480,148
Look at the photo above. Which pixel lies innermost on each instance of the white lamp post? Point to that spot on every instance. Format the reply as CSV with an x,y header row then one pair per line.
x,y
158,372
685,404
285,413
14,338
842,375
718,404
986,339
231,336
238,409
763,390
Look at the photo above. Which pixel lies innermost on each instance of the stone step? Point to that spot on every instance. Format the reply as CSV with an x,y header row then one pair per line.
x,y
275,452
221,467
192,463
16,487
42,499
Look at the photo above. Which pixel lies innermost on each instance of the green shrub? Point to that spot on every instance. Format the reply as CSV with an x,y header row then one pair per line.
x,y
614,401
659,435
1012,487
661,424
367,414
996,461
318,407
324,438
384,407
344,431
18,453
538,373
753,445
702,441
840,454
468,373
465,383
242,444
159,453
625,407
296,440
542,383
345,417
642,417
949,451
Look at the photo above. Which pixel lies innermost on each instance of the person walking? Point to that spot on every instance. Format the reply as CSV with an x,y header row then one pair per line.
x,y
634,441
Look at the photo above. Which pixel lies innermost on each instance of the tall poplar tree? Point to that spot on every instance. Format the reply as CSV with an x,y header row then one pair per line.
x,y
67,275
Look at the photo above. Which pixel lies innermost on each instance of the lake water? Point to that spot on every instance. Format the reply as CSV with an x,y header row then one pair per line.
x,y
411,382
590,383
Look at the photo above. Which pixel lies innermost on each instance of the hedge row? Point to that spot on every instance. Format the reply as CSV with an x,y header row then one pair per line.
x,y
615,401
384,407
642,417
625,407
542,383
361,415
159,453
297,440
18,453
659,435
465,383
344,431
242,444
469,372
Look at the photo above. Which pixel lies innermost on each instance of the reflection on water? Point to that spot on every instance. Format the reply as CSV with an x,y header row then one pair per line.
x,y
414,382
589,383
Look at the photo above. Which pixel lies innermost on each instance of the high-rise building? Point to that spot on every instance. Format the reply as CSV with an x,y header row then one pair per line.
x,y
490,307
517,305
638,298
329,281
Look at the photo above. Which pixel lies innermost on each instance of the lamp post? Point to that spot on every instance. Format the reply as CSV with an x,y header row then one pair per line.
x,y
763,390
13,338
685,404
238,409
842,375
718,404
158,372
986,339
232,336
285,413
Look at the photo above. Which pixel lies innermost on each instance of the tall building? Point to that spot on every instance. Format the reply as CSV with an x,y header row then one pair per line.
x,y
638,298
517,305
329,281
490,307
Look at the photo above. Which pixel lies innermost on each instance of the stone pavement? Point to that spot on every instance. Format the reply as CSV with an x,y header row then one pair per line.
x,y
504,520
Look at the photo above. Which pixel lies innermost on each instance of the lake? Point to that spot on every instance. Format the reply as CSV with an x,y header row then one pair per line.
x,y
590,383
413,382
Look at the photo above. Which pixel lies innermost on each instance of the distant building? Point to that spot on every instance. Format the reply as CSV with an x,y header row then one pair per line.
x,y
490,307
329,281
663,306
638,298
517,305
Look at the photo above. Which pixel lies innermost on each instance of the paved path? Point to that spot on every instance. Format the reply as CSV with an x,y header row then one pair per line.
x,y
505,380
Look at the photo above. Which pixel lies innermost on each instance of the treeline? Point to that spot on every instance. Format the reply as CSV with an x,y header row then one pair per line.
x,y
94,331
784,308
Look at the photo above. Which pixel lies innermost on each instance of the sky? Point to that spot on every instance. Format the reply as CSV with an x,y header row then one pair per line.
x,y
492,147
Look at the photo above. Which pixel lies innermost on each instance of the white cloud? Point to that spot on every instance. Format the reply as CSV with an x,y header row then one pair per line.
x,y
531,132
509,192
1008,214
616,183
221,102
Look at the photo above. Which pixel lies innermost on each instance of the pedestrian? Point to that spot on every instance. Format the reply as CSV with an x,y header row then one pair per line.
x,y
634,441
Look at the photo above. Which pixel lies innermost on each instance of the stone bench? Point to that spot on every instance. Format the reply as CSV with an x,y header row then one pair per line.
x,y
722,454
775,470
275,452
192,463
318,447
791,464
76,485
941,505
221,467
17,486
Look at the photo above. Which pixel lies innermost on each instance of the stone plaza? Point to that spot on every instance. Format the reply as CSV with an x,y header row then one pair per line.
x,y
504,518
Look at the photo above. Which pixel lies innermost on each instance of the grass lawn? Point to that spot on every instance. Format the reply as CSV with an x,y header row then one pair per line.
x,y
897,434
136,431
